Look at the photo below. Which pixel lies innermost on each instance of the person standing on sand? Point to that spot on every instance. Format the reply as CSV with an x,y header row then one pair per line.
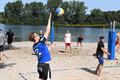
x,y
67,40
118,41
117,46
99,54
2,42
9,36
42,52
41,34
79,41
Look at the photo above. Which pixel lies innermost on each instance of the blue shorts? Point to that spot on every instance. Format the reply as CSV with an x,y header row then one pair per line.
x,y
100,60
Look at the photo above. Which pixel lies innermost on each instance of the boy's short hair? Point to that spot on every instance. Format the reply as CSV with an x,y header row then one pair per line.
x,y
32,36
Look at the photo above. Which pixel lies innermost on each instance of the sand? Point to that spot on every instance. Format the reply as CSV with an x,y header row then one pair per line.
x,y
79,64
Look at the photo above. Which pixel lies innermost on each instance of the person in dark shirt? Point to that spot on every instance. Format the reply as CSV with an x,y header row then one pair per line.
x,y
99,54
9,36
79,41
41,34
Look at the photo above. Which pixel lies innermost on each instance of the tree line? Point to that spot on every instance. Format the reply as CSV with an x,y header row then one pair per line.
x,y
37,13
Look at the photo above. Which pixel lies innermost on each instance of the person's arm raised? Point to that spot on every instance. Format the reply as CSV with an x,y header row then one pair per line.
x,y
46,34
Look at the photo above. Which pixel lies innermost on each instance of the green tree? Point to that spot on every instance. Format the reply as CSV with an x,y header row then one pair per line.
x,y
108,16
37,10
75,12
79,12
96,16
13,12
37,13
118,16
54,3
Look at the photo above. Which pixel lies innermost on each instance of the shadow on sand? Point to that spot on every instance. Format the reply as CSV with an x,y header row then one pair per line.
x,y
89,70
62,51
11,48
3,65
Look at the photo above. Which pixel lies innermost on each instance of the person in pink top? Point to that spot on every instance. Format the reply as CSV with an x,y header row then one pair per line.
x,y
67,40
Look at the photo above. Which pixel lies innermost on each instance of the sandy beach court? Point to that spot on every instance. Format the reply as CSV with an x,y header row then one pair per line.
x,y
80,64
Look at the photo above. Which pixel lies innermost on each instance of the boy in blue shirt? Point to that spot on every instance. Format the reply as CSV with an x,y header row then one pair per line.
x,y
42,52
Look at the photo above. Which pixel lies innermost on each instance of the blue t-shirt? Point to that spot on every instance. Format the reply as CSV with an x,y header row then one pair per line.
x,y
42,51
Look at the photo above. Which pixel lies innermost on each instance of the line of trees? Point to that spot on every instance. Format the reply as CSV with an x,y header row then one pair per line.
x,y
37,13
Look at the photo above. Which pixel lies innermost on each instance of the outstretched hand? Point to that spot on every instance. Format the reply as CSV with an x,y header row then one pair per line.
x,y
50,15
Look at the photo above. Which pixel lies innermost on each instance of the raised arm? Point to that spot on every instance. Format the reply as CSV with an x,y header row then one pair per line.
x,y
46,34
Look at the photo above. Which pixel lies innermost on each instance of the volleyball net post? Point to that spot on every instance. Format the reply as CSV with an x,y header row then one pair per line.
x,y
112,41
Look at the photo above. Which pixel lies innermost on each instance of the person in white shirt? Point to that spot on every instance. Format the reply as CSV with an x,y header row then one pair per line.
x,y
67,40
2,42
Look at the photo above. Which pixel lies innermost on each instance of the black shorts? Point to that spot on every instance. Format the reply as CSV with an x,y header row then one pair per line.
x,y
9,41
1,47
44,71
79,41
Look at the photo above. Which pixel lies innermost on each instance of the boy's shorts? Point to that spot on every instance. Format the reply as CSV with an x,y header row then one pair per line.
x,y
44,71
101,60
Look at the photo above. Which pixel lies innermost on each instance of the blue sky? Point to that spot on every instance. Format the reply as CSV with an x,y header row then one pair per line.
x,y
104,5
